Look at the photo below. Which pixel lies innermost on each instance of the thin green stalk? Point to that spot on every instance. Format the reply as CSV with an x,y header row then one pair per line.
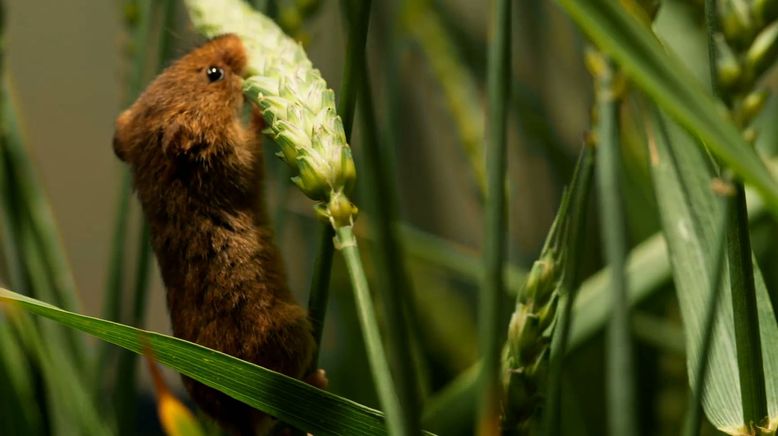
x,y
749,346
741,271
357,17
620,368
347,98
115,283
694,410
125,386
320,287
34,207
125,391
142,277
711,27
62,377
387,23
493,287
347,244
392,274
19,407
9,238
70,407
114,289
38,211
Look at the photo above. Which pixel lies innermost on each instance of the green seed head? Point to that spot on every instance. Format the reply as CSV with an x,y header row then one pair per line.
x,y
762,52
297,106
765,10
727,66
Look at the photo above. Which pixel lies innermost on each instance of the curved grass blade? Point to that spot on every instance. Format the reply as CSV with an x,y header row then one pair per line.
x,y
307,408
682,177
665,79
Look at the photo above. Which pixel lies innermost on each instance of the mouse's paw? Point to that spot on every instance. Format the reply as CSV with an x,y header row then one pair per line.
x,y
317,378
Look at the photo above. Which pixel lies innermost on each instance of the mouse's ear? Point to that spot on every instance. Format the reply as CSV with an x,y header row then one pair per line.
x,y
121,133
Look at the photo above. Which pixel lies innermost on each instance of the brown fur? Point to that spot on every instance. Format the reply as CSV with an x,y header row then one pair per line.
x,y
197,172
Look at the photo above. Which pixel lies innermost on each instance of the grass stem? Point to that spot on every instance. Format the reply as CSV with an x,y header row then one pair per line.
x,y
620,392
320,287
140,30
493,286
396,295
347,244
744,306
741,271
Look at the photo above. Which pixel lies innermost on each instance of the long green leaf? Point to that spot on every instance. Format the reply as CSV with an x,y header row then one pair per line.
x,y
682,176
19,412
665,79
288,399
34,227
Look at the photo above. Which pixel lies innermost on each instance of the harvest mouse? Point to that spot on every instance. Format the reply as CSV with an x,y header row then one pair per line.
x,y
197,170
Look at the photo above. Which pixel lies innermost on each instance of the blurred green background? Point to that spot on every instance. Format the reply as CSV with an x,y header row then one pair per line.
x,y
68,68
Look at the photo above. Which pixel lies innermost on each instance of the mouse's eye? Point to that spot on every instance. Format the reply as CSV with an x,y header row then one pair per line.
x,y
214,73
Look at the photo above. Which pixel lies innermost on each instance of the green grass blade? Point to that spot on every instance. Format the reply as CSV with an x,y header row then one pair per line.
x,y
37,208
682,175
288,399
741,269
19,411
694,411
665,79
70,405
40,253
648,271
